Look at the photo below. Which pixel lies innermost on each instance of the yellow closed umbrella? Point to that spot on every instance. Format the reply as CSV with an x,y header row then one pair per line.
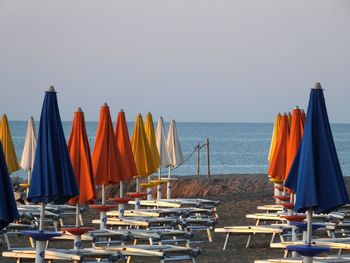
x,y
151,138
142,153
145,164
7,144
275,132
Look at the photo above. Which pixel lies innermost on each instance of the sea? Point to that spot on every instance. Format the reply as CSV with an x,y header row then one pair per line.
x,y
234,148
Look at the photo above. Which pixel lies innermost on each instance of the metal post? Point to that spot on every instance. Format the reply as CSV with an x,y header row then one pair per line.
x,y
121,206
198,157
159,187
208,157
168,184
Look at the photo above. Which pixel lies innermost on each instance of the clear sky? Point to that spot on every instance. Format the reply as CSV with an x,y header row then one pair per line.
x,y
192,60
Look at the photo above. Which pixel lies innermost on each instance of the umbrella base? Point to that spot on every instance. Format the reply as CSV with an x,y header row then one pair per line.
x,y
308,250
40,235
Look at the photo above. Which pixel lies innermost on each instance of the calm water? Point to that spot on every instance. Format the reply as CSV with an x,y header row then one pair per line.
x,y
234,147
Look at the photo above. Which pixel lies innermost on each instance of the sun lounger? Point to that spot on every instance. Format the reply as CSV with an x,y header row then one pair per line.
x,y
252,230
165,253
300,260
86,255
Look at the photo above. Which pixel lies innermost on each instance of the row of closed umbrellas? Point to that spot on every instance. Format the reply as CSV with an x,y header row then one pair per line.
x,y
64,173
115,157
303,157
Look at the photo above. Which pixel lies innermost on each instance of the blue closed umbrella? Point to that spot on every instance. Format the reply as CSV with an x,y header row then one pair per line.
x,y
316,176
8,207
53,179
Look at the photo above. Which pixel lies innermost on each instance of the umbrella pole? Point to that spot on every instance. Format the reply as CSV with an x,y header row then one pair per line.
x,y
77,238
28,182
308,234
40,245
149,190
103,217
137,200
168,185
121,206
159,187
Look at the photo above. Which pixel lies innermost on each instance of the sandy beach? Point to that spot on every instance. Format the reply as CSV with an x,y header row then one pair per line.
x,y
239,194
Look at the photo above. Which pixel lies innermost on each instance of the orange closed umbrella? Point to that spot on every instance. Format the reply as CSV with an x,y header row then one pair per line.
x,y
79,152
124,146
289,115
277,169
296,133
106,160
303,118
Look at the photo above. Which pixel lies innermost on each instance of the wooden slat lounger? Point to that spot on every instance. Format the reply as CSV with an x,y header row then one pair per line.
x,y
64,254
299,260
165,253
251,230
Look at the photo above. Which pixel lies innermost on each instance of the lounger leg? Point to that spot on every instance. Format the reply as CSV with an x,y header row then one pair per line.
x,y
226,241
129,259
209,235
272,238
248,241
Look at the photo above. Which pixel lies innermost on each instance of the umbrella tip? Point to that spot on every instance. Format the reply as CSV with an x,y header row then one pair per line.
x,y
317,85
79,109
297,107
105,104
139,115
51,89
121,110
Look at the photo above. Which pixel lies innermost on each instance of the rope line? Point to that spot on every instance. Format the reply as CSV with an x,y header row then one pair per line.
x,y
187,157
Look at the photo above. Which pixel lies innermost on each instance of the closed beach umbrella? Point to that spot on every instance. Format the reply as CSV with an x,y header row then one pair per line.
x,y
53,179
163,152
124,146
8,207
106,160
127,157
303,117
175,152
141,149
296,133
275,131
289,115
277,169
162,145
7,145
151,138
28,154
79,152
319,183
142,153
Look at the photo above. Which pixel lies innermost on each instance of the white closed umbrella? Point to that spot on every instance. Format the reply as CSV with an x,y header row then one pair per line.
x,y
175,152
163,152
28,154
